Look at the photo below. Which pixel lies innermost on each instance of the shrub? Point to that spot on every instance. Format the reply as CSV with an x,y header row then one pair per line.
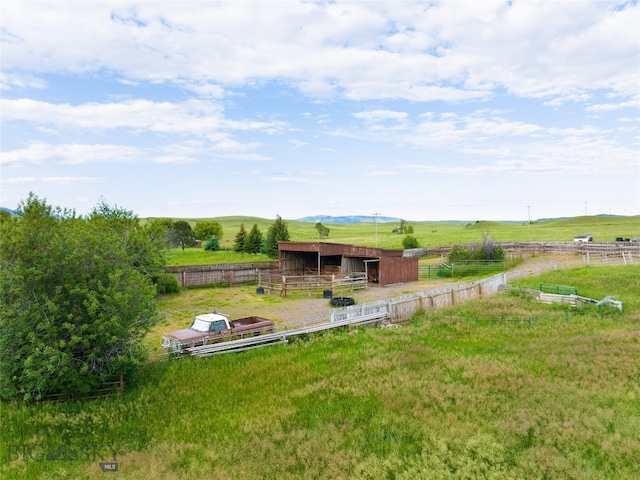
x,y
409,242
212,245
76,298
167,283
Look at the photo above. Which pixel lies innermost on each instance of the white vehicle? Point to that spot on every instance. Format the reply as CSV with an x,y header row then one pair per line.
x,y
583,238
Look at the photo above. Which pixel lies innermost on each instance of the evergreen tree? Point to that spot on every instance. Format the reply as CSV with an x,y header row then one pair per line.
x,y
278,231
253,242
212,245
241,236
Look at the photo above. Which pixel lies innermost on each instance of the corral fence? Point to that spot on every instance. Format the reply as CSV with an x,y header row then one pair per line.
x,y
229,274
328,285
393,310
567,295
541,248
400,309
106,390
461,268
613,253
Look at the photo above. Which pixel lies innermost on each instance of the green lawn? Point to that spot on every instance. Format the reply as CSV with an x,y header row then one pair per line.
x,y
428,234
471,392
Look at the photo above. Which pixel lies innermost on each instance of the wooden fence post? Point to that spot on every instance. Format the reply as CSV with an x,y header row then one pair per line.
x,y
121,386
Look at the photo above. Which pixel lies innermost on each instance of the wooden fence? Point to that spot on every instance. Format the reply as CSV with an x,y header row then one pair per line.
x,y
283,285
247,273
109,389
402,308
542,248
221,274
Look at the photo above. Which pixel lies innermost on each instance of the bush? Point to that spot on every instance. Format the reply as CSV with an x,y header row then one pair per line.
x,y
212,245
487,250
167,283
458,254
76,298
409,242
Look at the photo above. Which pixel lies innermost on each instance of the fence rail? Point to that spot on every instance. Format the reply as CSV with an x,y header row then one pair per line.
x,y
392,310
246,273
108,389
221,274
311,284
399,309
282,337
541,248
461,268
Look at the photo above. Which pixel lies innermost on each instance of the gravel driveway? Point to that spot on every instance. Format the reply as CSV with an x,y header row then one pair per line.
x,y
315,309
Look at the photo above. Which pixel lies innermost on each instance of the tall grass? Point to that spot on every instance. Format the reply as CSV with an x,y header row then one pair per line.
x,y
434,398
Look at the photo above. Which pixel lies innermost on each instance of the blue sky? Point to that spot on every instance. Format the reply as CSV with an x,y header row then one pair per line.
x,y
493,110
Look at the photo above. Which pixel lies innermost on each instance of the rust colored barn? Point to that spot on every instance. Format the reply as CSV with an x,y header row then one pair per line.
x,y
381,266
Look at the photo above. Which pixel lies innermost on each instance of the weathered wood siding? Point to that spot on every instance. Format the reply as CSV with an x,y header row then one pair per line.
x,y
228,274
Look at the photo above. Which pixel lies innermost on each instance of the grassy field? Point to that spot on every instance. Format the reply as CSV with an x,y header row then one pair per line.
x,y
428,234
472,392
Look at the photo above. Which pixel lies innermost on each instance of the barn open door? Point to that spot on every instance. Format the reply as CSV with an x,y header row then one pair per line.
x,y
372,269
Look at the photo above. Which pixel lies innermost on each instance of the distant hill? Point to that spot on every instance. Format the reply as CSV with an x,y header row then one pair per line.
x,y
348,219
11,212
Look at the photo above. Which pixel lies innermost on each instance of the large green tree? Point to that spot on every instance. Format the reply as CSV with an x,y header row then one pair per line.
x,y
206,229
278,231
181,235
158,229
76,298
323,231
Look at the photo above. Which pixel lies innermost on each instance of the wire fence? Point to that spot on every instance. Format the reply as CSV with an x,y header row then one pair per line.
x,y
461,268
106,390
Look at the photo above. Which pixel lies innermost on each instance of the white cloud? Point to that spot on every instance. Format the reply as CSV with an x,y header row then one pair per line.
x,y
20,81
608,107
381,173
68,154
52,180
192,116
197,90
374,116
362,50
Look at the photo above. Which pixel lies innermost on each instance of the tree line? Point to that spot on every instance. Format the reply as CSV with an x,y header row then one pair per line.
x,y
181,234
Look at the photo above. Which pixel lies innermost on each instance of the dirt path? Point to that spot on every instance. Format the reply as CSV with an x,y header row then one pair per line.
x,y
313,309
294,310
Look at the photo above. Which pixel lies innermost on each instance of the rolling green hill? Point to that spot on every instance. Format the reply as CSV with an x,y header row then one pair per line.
x,y
428,234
